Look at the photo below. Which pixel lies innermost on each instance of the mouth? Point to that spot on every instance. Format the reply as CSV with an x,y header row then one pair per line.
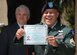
x,y
48,18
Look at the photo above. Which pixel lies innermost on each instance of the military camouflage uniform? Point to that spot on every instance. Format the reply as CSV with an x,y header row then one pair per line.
x,y
66,44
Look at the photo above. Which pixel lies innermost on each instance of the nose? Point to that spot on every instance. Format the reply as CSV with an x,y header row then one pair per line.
x,y
21,15
48,13
49,16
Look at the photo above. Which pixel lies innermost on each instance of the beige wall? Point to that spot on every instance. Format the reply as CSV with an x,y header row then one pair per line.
x,y
3,12
76,25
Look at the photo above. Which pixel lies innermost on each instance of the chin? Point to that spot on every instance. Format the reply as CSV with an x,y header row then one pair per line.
x,y
48,24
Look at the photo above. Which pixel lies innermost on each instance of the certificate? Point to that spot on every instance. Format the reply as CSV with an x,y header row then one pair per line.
x,y
35,34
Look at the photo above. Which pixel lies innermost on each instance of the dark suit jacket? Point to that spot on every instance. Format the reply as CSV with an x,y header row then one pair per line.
x,y
8,45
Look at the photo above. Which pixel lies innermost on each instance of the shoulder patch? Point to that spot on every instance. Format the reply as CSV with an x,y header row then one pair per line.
x,y
72,42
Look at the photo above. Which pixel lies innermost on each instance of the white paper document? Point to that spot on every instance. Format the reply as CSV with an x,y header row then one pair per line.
x,y
35,34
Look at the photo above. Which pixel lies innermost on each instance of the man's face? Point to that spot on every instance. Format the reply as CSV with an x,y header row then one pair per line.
x,y
22,16
49,16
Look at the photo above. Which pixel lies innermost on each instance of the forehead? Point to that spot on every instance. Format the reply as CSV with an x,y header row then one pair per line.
x,y
51,10
22,10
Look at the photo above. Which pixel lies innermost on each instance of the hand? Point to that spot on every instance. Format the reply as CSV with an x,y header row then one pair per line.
x,y
20,32
52,41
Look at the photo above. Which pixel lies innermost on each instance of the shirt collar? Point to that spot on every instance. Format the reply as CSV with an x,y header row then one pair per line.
x,y
20,25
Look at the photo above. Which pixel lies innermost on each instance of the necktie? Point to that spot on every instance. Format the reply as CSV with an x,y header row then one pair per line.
x,y
49,29
26,45
22,27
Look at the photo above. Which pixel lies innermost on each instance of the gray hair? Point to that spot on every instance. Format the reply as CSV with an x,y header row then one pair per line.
x,y
22,7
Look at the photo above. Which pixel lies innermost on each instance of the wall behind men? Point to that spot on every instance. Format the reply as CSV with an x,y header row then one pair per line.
x,y
3,12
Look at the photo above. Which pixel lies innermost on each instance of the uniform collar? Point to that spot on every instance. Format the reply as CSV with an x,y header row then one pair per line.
x,y
54,25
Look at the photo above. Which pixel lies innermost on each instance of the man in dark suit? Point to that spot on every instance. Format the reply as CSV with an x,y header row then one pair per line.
x,y
11,42
60,37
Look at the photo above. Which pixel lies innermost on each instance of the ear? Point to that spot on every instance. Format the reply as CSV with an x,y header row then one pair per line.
x,y
57,14
28,17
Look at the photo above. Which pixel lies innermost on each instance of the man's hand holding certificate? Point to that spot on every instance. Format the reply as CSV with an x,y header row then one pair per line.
x,y
35,35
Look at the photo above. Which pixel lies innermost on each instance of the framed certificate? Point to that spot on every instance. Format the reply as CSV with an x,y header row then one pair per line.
x,y
35,34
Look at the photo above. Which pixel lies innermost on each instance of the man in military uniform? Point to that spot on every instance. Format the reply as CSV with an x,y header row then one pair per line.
x,y
60,37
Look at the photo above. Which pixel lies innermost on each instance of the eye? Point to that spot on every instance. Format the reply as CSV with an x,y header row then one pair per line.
x,y
45,12
18,14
